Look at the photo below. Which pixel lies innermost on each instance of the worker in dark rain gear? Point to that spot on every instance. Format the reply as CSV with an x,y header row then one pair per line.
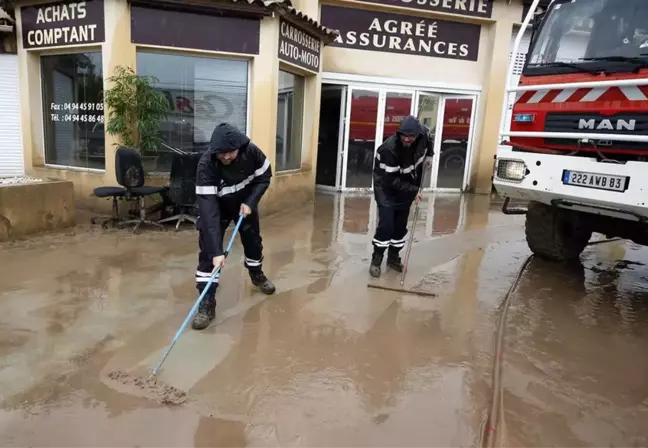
x,y
232,176
397,173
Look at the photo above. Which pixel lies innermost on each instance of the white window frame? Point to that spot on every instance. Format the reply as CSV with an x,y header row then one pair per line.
x,y
288,69
383,85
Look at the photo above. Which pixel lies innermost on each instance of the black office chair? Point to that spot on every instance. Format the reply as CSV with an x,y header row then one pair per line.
x,y
130,175
114,193
182,188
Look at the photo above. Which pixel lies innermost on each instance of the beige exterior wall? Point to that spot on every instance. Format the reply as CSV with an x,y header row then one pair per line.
x,y
287,189
488,73
494,89
393,65
290,188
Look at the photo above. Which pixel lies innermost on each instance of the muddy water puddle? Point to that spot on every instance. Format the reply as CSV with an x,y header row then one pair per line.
x,y
324,362
575,353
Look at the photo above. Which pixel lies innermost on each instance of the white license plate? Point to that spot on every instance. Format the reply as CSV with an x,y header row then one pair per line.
x,y
595,180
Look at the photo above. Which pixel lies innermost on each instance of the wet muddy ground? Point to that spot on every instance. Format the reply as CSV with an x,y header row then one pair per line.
x,y
326,361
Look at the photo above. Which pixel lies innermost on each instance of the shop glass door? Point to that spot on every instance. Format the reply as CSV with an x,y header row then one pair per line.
x,y
330,145
361,130
454,156
428,111
397,106
394,107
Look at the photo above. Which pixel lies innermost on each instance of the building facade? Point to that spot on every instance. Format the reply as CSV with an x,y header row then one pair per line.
x,y
444,61
254,63
316,101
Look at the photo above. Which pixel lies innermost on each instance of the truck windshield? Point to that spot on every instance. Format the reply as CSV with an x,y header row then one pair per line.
x,y
590,35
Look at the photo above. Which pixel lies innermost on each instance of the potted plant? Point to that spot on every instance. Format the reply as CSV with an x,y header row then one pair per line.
x,y
136,110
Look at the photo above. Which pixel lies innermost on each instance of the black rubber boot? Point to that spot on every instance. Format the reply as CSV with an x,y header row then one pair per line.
x,y
394,262
206,313
261,281
376,261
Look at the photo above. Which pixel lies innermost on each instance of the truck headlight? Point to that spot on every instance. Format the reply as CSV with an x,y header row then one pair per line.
x,y
513,170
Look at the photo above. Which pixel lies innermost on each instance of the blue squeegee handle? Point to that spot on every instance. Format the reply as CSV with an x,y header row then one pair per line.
x,y
194,308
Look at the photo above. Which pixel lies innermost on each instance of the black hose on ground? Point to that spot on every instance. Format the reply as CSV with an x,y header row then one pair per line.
x,y
494,417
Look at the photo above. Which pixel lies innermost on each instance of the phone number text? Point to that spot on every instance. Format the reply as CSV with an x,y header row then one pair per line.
x,y
78,118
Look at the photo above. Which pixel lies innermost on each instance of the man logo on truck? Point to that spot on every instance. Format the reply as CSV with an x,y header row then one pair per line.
x,y
607,125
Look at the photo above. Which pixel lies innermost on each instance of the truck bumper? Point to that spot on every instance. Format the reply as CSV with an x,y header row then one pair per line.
x,y
539,177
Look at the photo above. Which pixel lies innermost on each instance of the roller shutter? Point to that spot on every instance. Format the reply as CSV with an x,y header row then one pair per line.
x,y
11,153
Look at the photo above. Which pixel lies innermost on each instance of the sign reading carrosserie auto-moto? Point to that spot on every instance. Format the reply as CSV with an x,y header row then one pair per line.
x,y
472,8
60,24
378,31
299,47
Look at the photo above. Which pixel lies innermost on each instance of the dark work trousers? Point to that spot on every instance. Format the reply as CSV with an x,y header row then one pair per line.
x,y
391,229
250,235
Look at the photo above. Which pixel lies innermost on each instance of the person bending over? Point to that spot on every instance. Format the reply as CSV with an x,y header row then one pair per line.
x,y
397,173
232,176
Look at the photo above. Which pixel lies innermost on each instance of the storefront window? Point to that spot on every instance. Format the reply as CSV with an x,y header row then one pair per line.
x,y
202,92
73,110
290,111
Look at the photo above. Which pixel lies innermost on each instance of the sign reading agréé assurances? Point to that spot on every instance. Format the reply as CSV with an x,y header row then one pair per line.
x,y
471,8
392,33
59,24
299,47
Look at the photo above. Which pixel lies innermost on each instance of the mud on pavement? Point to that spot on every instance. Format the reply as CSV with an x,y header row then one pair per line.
x,y
324,362
148,387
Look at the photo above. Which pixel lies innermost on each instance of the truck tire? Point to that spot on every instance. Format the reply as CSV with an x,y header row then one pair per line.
x,y
554,233
452,154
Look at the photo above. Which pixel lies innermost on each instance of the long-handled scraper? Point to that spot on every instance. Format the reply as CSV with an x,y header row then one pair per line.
x,y
197,304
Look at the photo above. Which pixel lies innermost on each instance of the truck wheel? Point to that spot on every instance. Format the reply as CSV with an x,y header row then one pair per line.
x,y
556,234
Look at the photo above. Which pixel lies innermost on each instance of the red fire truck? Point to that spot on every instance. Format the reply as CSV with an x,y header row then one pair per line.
x,y
576,146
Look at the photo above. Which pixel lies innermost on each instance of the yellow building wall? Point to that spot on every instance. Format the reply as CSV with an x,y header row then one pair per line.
x,y
292,188
493,94
287,190
488,73
394,65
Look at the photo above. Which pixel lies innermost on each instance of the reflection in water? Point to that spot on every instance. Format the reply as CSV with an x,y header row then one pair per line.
x,y
213,433
326,361
440,214
576,355
460,311
447,214
331,355
356,216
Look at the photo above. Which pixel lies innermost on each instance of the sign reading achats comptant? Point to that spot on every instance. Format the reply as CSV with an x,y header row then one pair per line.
x,y
61,24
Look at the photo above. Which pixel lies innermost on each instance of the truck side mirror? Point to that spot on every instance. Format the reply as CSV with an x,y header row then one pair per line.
x,y
537,20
